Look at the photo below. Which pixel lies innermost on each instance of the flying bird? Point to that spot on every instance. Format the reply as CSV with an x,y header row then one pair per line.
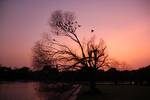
x,y
92,30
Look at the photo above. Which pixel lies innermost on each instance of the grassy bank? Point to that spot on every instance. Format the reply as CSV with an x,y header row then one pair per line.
x,y
116,92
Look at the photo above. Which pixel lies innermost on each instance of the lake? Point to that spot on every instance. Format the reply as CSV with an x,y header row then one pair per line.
x,y
37,91
24,91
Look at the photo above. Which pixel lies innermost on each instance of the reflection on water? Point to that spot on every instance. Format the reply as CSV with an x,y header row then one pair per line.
x,y
26,91
18,91
56,91
45,92
32,91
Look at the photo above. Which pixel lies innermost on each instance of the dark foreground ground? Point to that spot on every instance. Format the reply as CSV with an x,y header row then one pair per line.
x,y
116,92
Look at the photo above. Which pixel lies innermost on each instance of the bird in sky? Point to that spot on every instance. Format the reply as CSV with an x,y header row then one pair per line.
x,y
92,30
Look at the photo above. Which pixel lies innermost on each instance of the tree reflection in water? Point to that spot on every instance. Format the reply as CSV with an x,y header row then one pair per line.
x,y
55,91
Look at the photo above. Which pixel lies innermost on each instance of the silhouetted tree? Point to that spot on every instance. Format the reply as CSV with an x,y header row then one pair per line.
x,y
91,56
42,55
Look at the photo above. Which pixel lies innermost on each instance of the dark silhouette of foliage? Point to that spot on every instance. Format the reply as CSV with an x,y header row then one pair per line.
x,y
51,52
42,56
93,56
48,74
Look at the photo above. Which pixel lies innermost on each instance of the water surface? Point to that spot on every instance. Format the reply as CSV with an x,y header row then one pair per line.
x,y
21,91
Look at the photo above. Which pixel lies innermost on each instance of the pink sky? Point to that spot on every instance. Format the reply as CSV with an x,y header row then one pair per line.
x,y
123,24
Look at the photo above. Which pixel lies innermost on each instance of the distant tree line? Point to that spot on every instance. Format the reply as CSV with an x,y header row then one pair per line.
x,y
48,74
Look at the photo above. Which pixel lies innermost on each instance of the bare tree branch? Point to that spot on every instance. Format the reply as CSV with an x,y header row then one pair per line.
x,y
64,24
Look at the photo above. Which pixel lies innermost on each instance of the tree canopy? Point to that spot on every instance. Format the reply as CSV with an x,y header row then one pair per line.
x,y
64,24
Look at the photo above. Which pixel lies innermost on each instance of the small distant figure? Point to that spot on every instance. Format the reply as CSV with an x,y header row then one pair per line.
x,y
92,30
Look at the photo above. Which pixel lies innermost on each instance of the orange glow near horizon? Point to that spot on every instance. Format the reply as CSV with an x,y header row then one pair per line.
x,y
123,24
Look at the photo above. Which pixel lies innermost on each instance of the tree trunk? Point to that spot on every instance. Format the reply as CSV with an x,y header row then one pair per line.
x,y
92,82
92,85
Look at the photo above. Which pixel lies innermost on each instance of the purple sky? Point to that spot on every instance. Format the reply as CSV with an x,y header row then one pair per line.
x,y
123,24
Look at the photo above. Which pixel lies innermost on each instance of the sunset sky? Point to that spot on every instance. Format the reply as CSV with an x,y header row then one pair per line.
x,y
123,24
